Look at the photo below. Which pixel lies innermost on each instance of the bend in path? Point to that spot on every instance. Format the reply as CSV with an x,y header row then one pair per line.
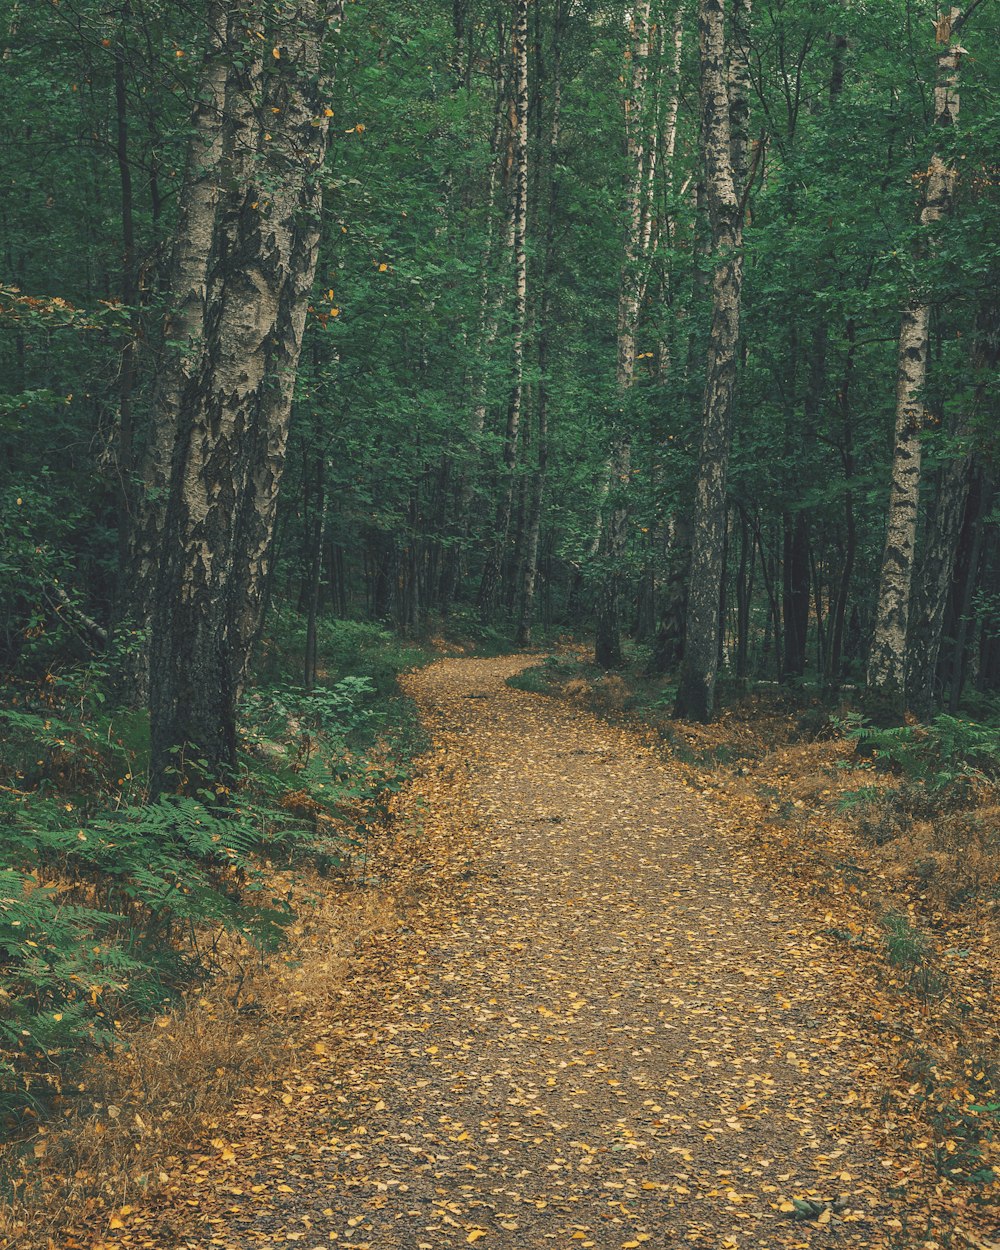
x,y
606,1035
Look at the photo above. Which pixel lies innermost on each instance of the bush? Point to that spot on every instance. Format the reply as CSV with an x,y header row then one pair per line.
x,y
946,753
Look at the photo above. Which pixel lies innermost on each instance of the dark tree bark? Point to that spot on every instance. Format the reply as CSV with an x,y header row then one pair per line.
x,y
631,290
945,524
233,421
489,590
183,336
795,592
526,604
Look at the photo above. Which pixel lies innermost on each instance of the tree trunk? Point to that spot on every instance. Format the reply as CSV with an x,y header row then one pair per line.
x,y
945,525
886,683
835,651
493,571
183,333
696,690
980,502
744,597
668,650
315,578
526,609
631,288
233,423
795,592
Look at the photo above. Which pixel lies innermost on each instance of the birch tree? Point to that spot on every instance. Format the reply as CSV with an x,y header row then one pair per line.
x,y
183,335
232,423
886,683
696,689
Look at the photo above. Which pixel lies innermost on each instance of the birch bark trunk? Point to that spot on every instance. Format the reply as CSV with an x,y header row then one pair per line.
x,y
183,334
232,422
886,678
696,689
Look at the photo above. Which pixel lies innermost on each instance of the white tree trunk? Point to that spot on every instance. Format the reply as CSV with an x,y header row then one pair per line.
x,y
887,658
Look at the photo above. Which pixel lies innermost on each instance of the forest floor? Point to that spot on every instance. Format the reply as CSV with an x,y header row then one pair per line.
x,y
578,1014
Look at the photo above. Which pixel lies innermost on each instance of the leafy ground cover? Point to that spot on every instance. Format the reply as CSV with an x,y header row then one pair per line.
x,y
138,939
585,983
895,837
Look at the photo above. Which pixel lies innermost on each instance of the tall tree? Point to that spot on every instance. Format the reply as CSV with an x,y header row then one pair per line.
x,y
696,688
640,155
529,573
493,570
228,457
944,526
183,334
886,680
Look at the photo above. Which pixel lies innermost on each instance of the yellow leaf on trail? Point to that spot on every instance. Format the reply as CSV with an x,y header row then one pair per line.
x,y
474,1236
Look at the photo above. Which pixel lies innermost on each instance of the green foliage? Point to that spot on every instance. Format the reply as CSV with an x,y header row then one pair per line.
x,y
110,904
103,918
907,949
862,797
944,754
548,677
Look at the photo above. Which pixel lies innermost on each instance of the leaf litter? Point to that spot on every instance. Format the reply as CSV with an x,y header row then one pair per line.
x,y
593,1024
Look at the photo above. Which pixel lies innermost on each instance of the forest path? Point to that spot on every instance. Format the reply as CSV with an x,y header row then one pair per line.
x,y
592,1026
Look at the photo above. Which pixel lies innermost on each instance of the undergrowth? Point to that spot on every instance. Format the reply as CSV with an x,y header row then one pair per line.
x,y
112,905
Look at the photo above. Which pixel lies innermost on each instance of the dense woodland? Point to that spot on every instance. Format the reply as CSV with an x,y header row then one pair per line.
x,y
674,326
649,321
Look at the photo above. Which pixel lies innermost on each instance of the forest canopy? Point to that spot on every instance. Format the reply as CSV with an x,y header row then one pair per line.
x,y
671,322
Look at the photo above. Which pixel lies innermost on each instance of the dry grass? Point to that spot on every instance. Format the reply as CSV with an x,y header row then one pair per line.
x,y
607,693
132,1113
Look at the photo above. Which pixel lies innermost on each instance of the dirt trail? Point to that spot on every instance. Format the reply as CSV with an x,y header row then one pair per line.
x,y
588,1028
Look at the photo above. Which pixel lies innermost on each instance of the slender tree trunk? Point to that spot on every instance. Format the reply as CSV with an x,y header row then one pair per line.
x,y
981,498
945,524
696,690
886,682
795,592
130,299
835,651
490,585
607,646
744,597
233,423
526,610
487,327
315,580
